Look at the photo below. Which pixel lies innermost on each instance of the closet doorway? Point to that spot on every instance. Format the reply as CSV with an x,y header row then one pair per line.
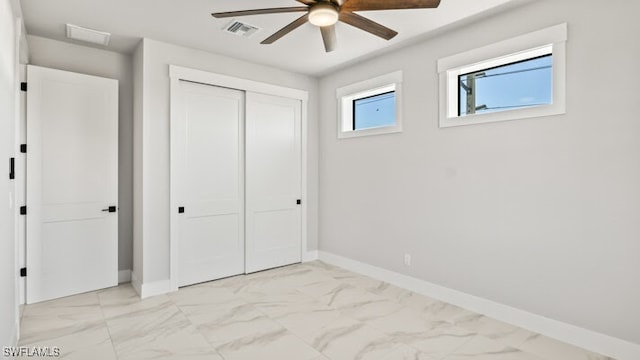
x,y
236,178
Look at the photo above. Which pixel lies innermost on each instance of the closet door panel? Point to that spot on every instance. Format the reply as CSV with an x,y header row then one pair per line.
x,y
273,182
208,170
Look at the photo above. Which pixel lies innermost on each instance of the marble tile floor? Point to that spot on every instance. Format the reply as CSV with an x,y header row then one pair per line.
x,y
310,311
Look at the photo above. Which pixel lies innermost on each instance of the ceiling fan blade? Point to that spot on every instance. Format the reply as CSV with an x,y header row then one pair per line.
x,y
287,29
367,25
329,37
364,5
260,11
307,2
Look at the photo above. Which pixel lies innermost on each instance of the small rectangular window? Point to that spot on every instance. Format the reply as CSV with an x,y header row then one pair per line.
x,y
374,111
520,84
370,107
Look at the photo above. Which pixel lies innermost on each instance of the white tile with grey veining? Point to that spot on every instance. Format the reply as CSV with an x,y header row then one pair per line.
x,y
124,300
402,296
221,326
483,348
405,352
303,317
548,348
499,331
94,339
202,294
267,300
311,311
403,320
137,326
348,298
275,344
178,341
349,339
370,310
323,287
57,318
438,341
442,311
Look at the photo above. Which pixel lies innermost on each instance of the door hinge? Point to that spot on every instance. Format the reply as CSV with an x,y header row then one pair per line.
x,y
298,201
23,272
23,210
23,148
23,86
12,168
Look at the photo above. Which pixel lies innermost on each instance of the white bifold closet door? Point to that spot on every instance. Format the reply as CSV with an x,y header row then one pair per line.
x,y
208,167
273,182
236,182
72,183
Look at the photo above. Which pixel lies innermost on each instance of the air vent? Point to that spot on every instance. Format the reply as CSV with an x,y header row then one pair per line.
x,y
241,29
88,35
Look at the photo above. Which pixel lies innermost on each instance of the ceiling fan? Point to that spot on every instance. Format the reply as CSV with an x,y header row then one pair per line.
x,y
326,13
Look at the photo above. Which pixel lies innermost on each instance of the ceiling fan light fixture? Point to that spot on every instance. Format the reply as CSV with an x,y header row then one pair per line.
x,y
323,14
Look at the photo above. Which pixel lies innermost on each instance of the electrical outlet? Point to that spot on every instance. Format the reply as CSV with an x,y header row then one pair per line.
x,y
407,259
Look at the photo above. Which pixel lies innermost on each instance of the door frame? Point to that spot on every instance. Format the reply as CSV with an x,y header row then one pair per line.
x,y
179,73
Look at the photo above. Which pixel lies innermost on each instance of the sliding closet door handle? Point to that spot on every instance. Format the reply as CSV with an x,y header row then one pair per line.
x,y
110,209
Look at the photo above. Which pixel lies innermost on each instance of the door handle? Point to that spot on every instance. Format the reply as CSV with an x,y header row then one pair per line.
x,y
110,209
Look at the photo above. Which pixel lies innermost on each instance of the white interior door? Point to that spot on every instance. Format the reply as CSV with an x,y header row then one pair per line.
x,y
273,182
208,182
72,180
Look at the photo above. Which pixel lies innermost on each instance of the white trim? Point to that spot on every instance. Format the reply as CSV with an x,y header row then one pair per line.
x,y
379,84
310,256
156,288
503,52
304,226
584,338
550,35
174,91
124,276
136,284
15,334
21,185
204,77
150,289
178,73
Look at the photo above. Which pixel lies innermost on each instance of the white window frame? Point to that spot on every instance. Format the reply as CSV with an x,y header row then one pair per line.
x,y
549,40
378,85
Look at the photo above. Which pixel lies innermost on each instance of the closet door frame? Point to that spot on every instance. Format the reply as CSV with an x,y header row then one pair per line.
x,y
179,73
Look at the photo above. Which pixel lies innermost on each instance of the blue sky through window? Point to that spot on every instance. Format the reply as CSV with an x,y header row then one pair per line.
x,y
374,111
511,86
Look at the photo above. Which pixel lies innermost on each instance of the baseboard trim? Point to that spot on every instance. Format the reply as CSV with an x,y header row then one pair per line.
x,y
155,288
586,339
310,256
136,283
124,276
15,335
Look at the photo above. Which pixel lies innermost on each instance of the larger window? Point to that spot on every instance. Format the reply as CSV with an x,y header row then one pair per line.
x,y
516,85
517,78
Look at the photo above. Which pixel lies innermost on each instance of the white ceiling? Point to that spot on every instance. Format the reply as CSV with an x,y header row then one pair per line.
x,y
189,23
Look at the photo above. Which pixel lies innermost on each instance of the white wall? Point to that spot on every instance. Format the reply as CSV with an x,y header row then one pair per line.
x,y
87,60
154,140
539,214
8,85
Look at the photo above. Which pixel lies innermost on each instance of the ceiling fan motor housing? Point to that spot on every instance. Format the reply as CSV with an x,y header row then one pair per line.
x,y
323,14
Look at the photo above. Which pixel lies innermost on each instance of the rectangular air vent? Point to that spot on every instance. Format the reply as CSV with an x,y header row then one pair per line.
x,y
241,29
88,35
